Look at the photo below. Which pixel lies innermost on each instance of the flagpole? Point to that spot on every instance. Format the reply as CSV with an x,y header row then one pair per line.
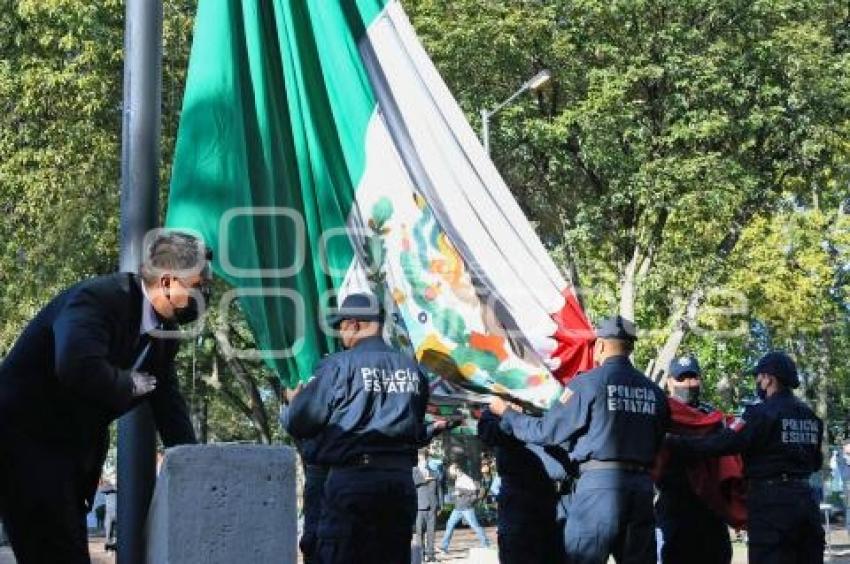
x,y
139,213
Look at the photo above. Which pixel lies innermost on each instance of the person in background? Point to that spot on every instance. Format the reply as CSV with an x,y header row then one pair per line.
x,y
100,506
110,494
465,496
840,466
426,483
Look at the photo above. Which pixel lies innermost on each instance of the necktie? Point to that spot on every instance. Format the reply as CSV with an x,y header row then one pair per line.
x,y
144,348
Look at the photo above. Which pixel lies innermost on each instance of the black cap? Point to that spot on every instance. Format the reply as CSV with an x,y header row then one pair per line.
x,y
617,328
780,365
362,307
684,365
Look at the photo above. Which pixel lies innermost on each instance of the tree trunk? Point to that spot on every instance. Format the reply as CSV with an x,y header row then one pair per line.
x,y
639,264
683,324
628,286
686,317
823,369
572,277
200,411
204,426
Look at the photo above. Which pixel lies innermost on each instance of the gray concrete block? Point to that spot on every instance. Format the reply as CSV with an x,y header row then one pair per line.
x,y
224,504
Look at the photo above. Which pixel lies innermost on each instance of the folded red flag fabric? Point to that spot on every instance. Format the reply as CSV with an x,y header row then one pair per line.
x,y
719,481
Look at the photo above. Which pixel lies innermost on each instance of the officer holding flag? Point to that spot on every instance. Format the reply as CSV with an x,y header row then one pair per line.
x,y
691,530
780,440
365,408
611,420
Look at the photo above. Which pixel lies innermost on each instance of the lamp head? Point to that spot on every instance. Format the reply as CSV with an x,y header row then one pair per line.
x,y
539,80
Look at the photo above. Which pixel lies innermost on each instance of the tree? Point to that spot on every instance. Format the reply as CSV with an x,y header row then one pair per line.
x,y
61,76
684,151
671,126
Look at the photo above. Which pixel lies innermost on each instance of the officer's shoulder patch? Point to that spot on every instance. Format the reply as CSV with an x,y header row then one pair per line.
x,y
566,395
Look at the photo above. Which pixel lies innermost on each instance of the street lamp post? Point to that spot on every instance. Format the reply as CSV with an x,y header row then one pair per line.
x,y
534,83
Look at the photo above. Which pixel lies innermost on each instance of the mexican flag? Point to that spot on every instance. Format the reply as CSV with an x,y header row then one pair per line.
x,y
320,153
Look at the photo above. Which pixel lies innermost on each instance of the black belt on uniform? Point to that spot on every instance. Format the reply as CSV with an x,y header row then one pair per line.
x,y
611,465
379,460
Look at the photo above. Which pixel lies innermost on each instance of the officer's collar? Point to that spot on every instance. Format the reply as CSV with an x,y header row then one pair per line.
x,y
617,359
370,343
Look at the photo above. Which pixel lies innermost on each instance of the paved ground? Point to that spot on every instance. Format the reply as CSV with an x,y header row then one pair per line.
x,y
464,540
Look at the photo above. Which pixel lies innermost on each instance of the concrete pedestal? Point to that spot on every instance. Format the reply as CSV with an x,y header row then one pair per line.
x,y
224,504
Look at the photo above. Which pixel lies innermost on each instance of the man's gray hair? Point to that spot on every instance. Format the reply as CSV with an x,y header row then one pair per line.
x,y
175,252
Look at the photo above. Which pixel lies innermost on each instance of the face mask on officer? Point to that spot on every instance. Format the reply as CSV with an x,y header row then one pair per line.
x,y
686,388
687,394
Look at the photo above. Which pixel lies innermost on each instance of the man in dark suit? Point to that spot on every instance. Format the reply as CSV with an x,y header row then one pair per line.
x,y
93,353
427,504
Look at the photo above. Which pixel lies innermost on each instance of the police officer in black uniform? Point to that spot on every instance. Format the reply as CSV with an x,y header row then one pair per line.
x,y
368,404
780,440
612,421
531,513
691,531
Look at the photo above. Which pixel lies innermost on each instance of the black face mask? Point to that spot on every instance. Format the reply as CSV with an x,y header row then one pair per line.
x,y
761,392
688,395
190,312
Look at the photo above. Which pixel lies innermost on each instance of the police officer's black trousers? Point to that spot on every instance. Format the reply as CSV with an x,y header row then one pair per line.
x,y
610,514
692,533
314,488
367,516
783,524
528,528
41,503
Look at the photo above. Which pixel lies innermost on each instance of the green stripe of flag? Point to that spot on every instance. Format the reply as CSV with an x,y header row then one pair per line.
x,y
275,113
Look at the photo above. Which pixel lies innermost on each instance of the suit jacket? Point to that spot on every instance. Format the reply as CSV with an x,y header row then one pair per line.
x,y
426,490
68,375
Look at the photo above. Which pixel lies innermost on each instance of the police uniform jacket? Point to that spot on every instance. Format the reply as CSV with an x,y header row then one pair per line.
x,y
522,467
367,400
610,413
780,436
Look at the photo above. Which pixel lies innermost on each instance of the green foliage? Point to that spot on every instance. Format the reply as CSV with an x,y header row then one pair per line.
x,y
688,148
61,76
705,143
672,131
60,124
